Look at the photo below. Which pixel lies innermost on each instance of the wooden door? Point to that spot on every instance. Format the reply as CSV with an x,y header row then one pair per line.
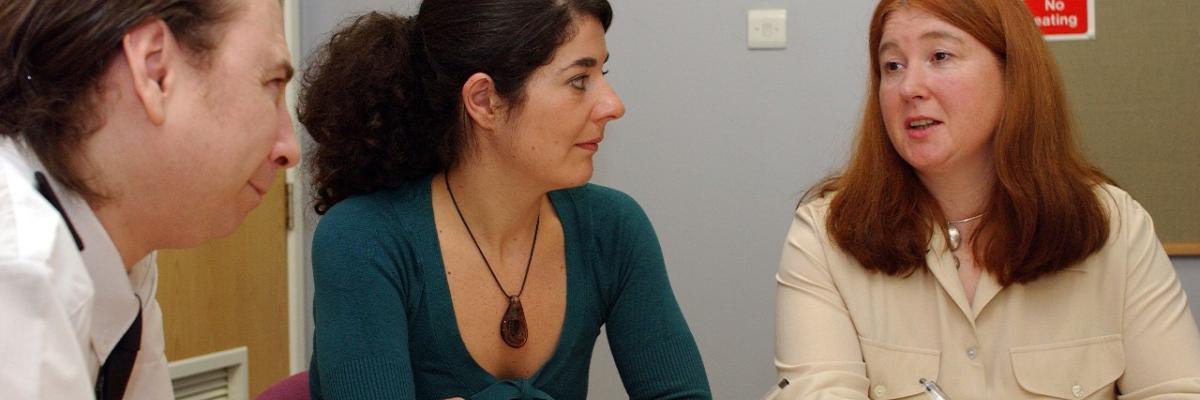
x,y
233,292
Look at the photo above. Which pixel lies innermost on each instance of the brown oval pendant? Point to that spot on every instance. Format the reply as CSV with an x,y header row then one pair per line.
x,y
513,328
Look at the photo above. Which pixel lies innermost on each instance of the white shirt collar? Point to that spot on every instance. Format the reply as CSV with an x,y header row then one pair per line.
x,y
116,302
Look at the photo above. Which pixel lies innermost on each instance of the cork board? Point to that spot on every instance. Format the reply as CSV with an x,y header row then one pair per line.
x,y
1135,93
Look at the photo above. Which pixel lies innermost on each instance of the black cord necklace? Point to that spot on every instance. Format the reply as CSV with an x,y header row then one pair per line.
x,y
513,328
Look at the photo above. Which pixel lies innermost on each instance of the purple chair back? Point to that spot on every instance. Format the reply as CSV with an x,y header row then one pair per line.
x,y
294,387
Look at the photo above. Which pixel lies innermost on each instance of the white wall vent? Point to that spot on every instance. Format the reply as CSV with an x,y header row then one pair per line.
x,y
214,376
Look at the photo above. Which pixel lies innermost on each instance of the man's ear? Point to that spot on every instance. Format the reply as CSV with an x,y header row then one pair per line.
x,y
150,51
481,101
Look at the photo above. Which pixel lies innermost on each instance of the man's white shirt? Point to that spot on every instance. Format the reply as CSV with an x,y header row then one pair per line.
x,y
62,310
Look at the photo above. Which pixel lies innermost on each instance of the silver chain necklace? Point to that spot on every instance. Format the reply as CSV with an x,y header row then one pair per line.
x,y
956,236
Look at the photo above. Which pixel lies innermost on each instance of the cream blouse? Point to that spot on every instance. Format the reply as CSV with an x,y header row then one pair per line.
x,y
1116,325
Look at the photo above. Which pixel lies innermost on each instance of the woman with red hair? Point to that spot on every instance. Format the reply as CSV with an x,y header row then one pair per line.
x,y
968,241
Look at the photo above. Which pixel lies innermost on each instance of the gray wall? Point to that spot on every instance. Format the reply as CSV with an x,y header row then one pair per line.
x,y
717,145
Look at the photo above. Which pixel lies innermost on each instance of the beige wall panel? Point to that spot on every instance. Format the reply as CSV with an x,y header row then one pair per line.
x,y
1135,91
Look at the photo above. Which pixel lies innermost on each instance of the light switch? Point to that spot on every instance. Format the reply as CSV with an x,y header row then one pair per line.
x,y
766,29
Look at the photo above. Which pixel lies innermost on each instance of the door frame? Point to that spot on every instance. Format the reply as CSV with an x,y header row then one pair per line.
x,y
297,337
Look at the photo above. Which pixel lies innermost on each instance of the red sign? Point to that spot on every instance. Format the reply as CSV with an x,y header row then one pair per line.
x,y
1064,19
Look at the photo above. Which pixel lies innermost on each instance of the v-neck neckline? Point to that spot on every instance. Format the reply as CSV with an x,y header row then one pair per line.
x,y
443,317
939,260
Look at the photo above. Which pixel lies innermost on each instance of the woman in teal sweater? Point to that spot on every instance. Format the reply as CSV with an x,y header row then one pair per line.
x,y
462,253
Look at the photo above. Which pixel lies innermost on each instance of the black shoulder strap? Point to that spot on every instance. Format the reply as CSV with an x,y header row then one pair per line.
x,y
114,373
43,187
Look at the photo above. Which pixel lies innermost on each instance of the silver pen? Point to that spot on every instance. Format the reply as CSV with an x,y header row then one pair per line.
x,y
776,389
933,390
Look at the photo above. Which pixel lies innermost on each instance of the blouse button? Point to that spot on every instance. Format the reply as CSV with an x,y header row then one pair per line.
x,y
880,391
1077,390
971,352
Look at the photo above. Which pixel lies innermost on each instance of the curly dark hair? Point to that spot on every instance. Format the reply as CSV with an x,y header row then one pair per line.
x,y
53,54
382,99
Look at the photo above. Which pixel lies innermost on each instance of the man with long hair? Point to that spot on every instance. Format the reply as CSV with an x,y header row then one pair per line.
x,y
125,127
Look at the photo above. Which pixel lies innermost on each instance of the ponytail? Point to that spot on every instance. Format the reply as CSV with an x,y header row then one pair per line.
x,y
364,102
382,100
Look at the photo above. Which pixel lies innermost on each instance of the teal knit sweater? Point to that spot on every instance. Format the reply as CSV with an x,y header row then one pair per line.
x,y
385,324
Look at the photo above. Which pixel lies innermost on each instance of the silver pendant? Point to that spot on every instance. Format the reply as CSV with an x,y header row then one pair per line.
x,y
955,237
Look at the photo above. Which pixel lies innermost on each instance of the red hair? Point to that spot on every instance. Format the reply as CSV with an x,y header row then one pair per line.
x,y
1043,214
